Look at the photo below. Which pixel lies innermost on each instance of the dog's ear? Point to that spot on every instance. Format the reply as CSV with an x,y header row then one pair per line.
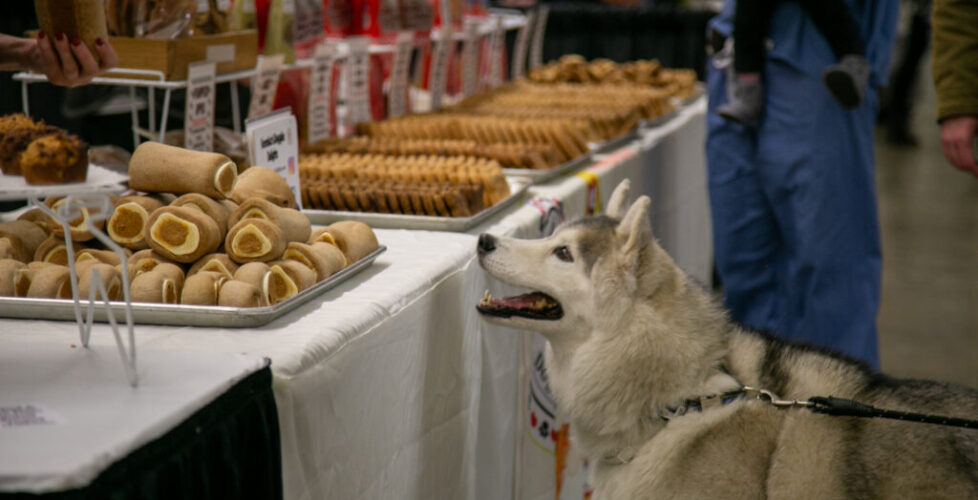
x,y
635,229
617,203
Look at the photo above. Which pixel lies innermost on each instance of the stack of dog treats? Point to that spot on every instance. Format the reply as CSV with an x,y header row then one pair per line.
x,y
201,233
678,83
448,186
525,156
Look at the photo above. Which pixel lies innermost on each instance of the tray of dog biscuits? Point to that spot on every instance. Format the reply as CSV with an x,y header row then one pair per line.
x,y
203,246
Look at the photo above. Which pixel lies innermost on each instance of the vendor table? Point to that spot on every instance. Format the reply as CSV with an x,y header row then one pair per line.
x,y
392,386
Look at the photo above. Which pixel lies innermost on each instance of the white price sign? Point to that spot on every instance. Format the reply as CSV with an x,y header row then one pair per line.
x,y
320,88
198,123
396,105
357,72
521,46
470,57
497,52
266,82
273,142
540,26
439,65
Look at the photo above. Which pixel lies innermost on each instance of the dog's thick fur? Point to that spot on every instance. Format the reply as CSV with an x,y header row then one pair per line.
x,y
637,337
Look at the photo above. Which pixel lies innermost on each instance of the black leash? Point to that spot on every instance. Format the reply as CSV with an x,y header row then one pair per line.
x,y
849,408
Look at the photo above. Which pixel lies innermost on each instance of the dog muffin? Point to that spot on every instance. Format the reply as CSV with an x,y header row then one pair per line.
x,y
55,159
16,133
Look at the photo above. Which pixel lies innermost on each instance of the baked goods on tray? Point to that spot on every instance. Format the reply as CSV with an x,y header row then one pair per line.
x,y
42,154
572,68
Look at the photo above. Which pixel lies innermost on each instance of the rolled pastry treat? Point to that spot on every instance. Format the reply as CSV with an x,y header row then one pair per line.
x,y
53,250
355,239
230,205
302,276
105,256
202,289
9,251
39,219
254,240
212,208
182,234
15,278
157,168
110,278
172,271
295,226
323,258
24,237
153,286
127,226
236,293
50,282
264,183
78,226
145,260
217,262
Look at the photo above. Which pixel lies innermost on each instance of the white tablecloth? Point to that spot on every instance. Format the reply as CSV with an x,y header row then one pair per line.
x,y
391,386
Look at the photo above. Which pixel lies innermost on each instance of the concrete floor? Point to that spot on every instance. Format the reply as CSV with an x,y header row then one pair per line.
x,y
928,320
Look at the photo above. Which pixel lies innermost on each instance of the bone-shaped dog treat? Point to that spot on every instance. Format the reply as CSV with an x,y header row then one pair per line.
x,y
217,262
355,239
157,167
202,288
264,183
323,258
110,276
182,234
275,284
23,237
78,226
172,271
153,286
215,210
302,276
236,293
15,278
254,240
53,250
50,282
128,222
105,256
294,224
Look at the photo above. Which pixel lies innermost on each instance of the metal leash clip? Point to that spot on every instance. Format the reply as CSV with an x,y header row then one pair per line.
x,y
775,401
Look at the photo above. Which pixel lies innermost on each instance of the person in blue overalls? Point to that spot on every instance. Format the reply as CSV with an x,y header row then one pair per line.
x,y
793,200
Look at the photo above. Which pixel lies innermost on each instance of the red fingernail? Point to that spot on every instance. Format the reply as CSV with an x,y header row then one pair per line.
x,y
76,42
99,42
40,35
60,36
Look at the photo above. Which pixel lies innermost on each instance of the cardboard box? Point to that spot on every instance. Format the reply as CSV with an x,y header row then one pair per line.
x,y
233,51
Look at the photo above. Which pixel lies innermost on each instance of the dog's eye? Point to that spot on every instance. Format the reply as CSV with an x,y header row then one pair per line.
x,y
563,254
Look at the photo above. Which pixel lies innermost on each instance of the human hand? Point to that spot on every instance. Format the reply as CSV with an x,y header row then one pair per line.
x,y
958,135
69,63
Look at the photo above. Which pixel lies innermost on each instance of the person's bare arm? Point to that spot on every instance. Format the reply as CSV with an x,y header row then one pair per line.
x,y
66,62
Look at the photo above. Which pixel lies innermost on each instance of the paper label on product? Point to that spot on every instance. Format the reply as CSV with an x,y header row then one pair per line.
x,y
470,57
198,124
357,72
539,27
203,6
521,45
399,74
273,142
266,82
220,53
496,54
542,408
439,65
22,415
320,88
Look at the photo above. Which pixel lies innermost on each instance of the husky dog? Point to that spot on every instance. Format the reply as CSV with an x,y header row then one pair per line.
x,y
636,350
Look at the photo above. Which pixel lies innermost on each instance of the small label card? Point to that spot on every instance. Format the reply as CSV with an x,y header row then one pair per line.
x,y
266,82
522,43
273,142
439,65
540,25
470,57
320,88
497,53
396,103
198,124
20,415
357,71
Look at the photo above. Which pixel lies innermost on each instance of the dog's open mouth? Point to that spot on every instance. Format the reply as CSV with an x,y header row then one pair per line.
x,y
536,305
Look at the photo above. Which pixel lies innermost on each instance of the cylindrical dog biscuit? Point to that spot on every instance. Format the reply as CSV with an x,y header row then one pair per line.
x,y
50,282
294,224
78,226
256,274
155,287
215,210
217,262
23,234
201,289
172,271
127,226
302,276
323,258
105,256
157,167
53,250
355,239
110,276
40,219
263,182
15,279
145,260
254,240
236,293
182,234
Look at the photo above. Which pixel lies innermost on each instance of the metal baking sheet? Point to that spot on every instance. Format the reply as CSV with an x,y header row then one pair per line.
x,y
518,188
98,180
541,176
176,314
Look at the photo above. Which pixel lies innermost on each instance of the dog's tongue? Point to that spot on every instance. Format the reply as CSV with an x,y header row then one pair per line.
x,y
535,300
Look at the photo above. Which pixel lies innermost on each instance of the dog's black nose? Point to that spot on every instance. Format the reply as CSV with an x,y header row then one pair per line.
x,y
487,243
